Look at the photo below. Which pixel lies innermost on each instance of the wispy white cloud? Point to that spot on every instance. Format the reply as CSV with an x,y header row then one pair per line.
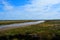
x,y
7,6
38,9
43,9
41,5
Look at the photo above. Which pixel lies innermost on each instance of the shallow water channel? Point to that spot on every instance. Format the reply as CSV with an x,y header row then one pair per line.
x,y
20,24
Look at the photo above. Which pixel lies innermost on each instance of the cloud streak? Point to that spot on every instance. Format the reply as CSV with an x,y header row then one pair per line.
x,y
43,8
7,6
38,9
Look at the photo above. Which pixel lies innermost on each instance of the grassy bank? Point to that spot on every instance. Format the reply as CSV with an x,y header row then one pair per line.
x,y
47,29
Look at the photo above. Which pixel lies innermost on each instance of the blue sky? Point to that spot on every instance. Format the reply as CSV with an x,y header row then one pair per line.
x,y
29,9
